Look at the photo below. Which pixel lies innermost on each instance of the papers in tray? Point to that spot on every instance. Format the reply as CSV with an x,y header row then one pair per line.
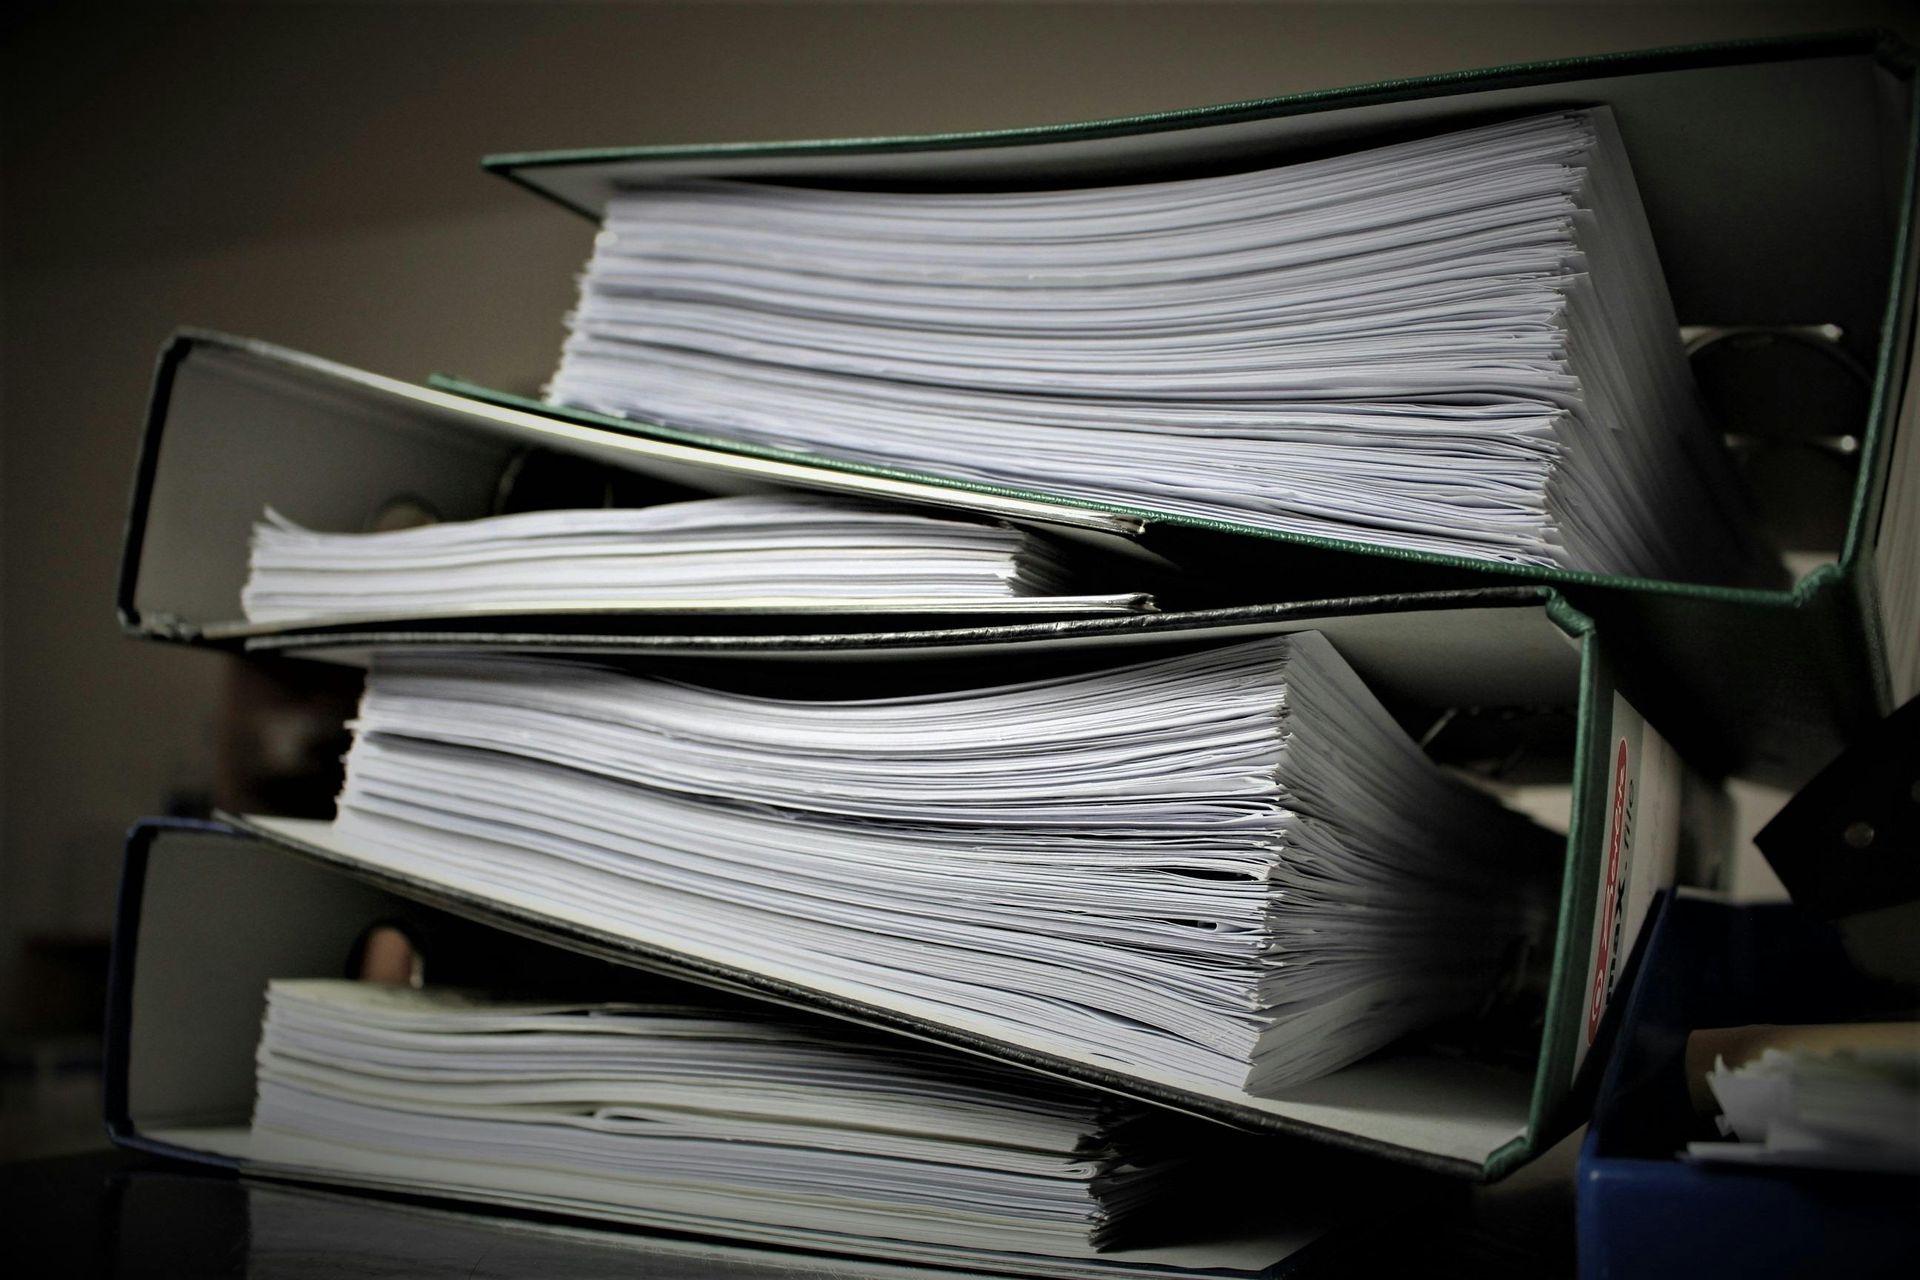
x,y
756,552
707,1121
1850,1109
1229,866
1460,344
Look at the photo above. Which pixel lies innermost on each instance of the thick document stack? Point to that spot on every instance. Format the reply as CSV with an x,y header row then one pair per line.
x,y
1459,344
699,1119
750,552
1231,865
1330,360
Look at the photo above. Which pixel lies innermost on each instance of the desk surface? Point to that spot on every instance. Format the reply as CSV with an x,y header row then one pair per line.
x,y
115,1214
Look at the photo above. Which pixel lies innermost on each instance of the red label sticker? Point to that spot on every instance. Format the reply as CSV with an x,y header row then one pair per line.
x,y
1610,892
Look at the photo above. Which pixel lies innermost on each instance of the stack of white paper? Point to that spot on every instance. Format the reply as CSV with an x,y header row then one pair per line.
x,y
1459,344
1851,1109
1231,867
739,552
699,1120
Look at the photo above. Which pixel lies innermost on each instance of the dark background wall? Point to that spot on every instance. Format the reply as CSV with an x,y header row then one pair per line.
x,y
306,173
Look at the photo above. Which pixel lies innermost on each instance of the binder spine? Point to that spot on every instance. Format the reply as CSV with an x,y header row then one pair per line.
x,y
139,500
122,969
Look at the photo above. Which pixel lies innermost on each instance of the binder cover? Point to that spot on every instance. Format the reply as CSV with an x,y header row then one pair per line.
x,y
1779,178
1522,657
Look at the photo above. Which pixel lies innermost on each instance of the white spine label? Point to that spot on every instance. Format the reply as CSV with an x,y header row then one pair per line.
x,y
1642,840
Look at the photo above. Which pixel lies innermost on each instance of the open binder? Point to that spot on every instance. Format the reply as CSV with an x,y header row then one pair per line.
x,y
1779,181
237,426
209,916
1523,656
